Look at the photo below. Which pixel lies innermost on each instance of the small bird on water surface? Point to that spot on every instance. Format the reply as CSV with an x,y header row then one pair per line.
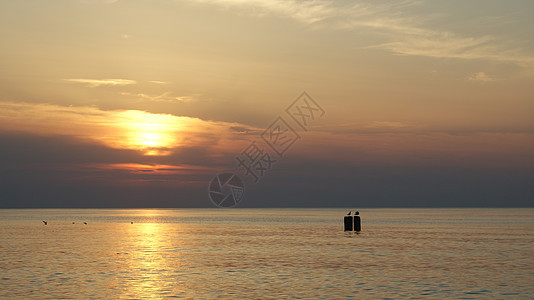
x,y
84,223
45,222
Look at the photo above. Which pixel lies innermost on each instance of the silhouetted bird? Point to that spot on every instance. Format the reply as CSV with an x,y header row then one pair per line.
x,y
85,223
349,213
45,222
131,222
356,213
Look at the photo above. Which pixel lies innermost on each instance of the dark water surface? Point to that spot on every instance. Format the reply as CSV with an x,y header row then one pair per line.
x,y
267,253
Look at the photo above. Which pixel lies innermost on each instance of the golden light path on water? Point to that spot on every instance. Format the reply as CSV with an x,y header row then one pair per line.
x,y
149,262
148,253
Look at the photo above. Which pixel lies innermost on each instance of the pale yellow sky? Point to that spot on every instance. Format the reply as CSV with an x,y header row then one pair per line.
x,y
396,60
445,67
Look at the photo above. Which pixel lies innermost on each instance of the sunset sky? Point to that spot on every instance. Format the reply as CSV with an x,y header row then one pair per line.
x,y
136,103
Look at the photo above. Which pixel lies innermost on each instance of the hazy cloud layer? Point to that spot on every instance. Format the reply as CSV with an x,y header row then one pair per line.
x,y
59,171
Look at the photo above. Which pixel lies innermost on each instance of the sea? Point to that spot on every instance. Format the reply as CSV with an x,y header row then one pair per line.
x,y
304,253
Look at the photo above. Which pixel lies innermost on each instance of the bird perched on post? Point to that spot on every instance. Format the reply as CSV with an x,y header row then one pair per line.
x,y
349,213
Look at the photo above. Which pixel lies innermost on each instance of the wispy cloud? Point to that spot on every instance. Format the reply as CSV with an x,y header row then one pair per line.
x,y
408,40
409,35
101,82
307,12
481,77
245,130
402,32
386,125
157,82
165,97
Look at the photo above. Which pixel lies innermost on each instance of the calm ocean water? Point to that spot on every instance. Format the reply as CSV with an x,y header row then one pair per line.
x,y
267,254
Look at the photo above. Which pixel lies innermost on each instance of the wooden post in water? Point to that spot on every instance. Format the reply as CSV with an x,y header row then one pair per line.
x,y
357,222
348,223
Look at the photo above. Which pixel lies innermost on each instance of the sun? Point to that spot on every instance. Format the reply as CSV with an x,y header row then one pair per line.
x,y
152,143
153,134
151,139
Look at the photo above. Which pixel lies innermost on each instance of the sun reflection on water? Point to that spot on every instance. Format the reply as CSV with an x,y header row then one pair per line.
x,y
153,258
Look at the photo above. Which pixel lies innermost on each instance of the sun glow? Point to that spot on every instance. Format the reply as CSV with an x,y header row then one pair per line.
x,y
154,134
151,134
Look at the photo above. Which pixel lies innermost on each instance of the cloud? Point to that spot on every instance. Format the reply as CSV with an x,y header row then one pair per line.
x,y
245,130
442,44
307,12
403,33
101,82
406,36
327,183
481,77
147,133
165,97
64,171
68,168
386,125
157,82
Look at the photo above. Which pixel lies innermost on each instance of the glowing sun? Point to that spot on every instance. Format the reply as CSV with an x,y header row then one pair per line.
x,y
154,134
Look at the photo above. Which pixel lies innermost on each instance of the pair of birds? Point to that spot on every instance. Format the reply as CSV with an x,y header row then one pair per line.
x,y
356,213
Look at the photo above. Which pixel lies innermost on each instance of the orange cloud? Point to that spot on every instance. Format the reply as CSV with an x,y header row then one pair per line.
x,y
152,134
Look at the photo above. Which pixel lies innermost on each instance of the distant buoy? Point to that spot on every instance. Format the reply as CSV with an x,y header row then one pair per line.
x,y
357,222
348,223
